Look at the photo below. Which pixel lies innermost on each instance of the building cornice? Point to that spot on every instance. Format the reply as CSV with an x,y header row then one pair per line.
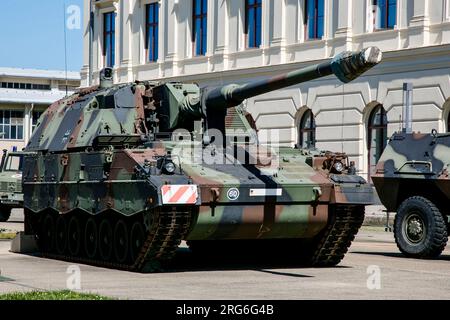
x,y
39,74
431,57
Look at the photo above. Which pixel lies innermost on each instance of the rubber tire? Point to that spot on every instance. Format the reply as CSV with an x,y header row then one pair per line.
x,y
74,236
105,240
5,213
121,242
91,238
48,233
436,229
61,234
137,239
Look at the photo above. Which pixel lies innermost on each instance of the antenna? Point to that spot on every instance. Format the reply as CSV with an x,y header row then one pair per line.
x,y
65,45
407,107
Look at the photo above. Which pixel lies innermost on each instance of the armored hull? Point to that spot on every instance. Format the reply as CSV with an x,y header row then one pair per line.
x,y
123,173
412,179
11,195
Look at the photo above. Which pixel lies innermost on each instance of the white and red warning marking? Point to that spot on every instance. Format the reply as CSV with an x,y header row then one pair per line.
x,y
179,194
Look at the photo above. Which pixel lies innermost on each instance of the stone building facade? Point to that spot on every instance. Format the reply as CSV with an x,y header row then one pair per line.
x,y
215,42
24,96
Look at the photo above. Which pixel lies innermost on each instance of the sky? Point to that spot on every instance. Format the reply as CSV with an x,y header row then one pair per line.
x,y
32,34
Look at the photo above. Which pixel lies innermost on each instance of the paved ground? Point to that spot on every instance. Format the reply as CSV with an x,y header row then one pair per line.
x,y
374,250
15,222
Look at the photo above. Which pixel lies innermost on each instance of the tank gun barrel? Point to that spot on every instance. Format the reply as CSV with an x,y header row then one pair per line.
x,y
346,66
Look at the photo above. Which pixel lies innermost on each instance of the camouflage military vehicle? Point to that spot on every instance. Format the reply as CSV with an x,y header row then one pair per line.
x,y
412,179
10,183
123,173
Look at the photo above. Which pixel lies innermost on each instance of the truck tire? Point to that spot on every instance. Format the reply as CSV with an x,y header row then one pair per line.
x,y
5,213
420,229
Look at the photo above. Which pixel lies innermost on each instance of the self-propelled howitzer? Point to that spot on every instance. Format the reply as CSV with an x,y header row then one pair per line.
x,y
110,182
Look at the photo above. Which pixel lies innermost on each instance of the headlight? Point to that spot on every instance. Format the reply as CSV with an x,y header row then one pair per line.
x,y
169,167
338,166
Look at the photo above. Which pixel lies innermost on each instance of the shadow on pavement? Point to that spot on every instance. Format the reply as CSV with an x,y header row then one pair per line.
x,y
236,259
400,255
187,261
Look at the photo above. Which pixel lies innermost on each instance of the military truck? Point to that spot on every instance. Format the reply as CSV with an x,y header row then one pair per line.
x,y
412,179
10,183
121,174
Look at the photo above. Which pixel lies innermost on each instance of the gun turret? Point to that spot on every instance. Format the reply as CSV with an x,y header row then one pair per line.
x,y
129,114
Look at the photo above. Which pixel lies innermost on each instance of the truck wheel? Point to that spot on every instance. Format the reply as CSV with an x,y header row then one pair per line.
x,y
5,213
420,229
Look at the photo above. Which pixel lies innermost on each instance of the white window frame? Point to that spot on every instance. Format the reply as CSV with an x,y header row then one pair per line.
x,y
18,122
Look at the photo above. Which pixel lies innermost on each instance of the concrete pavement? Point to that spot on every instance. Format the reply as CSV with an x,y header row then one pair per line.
x,y
15,222
374,269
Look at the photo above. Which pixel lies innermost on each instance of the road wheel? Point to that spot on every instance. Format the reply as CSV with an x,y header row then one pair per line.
x,y
48,233
74,236
137,238
61,234
420,229
105,243
91,238
5,213
121,250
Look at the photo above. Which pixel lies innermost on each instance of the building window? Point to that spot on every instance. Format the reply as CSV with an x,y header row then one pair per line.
x,y
34,120
109,38
253,14
24,86
448,123
307,130
314,18
377,136
152,21
199,31
385,13
11,124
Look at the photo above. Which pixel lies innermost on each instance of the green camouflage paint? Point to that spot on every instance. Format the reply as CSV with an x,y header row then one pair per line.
x,y
100,158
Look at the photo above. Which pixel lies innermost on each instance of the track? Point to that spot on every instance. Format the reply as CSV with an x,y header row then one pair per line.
x,y
164,235
168,228
338,236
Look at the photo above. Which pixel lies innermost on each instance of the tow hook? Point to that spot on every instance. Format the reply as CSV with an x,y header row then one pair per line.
x,y
317,193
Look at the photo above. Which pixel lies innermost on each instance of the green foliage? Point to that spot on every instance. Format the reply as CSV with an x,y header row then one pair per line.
x,y
7,235
52,295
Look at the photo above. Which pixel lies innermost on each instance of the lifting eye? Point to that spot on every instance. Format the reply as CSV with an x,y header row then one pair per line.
x,y
338,166
166,165
169,167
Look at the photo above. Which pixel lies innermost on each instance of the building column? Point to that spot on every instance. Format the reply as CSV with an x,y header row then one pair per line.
x,y
328,19
265,31
170,38
273,32
124,38
301,21
212,18
447,10
161,38
421,13
420,24
86,68
28,122
345,16
97,61
344,24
